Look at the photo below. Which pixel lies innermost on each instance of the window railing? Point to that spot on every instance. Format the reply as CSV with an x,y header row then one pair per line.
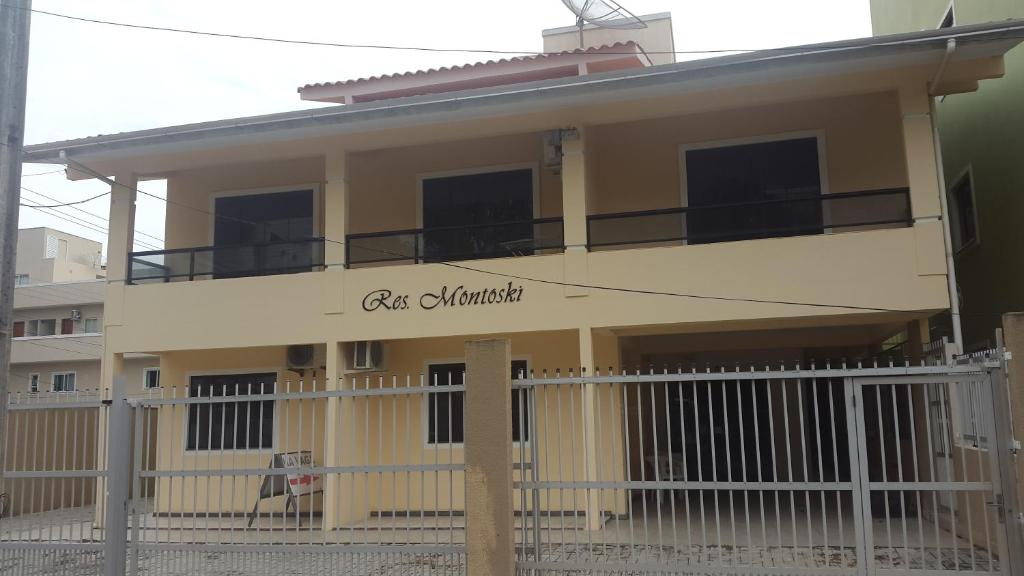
x,y
232,261
490,240
773,218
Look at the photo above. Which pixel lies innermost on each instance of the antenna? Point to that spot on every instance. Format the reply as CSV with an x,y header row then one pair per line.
x,y
604,14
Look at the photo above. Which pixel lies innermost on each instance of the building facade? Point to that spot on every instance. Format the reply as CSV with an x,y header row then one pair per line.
x,y
981,139
57,344
46,255
760,208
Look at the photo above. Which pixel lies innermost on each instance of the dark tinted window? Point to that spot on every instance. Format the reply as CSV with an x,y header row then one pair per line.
x,y
767,189
445,410
231,425
477,215
269,220
965,225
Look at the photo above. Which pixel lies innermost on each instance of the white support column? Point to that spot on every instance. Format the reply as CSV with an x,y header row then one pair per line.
x,y
928,194
574,210
121,236
335,229
336,208
332,452
590,428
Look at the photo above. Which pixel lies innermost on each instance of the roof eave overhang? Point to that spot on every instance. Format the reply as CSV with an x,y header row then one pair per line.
x,y
838,58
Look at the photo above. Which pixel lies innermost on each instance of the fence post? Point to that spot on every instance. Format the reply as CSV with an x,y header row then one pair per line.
x,y
119,434
490,540
1007,394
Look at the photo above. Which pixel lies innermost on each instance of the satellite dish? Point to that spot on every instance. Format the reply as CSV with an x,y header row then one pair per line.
x,y
604,14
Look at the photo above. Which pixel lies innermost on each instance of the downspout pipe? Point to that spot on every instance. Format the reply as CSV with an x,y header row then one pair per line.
x,y
947,237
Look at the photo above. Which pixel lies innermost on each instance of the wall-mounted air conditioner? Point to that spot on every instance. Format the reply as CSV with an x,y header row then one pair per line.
x,y
307,357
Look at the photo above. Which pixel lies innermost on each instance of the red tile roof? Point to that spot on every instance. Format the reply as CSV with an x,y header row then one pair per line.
x,y
629,47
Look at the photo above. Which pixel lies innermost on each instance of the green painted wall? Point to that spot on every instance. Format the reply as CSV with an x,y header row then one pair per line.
x,y
984,131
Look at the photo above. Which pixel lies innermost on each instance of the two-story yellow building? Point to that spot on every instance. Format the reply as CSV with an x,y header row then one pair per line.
x,y
601,208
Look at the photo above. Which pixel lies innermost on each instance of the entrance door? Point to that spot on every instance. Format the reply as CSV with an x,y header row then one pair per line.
x,y
759,190
263,234
486,215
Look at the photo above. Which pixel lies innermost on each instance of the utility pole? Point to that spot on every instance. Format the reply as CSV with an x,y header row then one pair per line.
x,y
15,16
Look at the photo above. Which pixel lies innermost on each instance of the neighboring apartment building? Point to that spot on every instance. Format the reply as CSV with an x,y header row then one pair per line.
x,y
46,255
594,208
57,344
982,139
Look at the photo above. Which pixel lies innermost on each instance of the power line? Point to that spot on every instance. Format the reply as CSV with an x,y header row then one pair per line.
x,y
76,202
78,222
50,210
36,343
106,221
42,173
277,40
235,36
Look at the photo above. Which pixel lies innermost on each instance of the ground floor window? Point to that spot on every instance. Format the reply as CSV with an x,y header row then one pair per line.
x,y
33,382
445,409
231,425
63,381
151,378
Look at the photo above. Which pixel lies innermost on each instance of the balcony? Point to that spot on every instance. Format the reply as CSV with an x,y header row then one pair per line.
x,y
772,218
450,243
230,261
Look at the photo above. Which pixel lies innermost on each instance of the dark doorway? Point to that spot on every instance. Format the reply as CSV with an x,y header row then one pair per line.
x,y
264,234
767,189
485,215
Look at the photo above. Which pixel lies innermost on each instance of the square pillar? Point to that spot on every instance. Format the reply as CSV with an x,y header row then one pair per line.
x,y
490,536
919,148
121,237
332,453
574,210
111,375
335,208
602,425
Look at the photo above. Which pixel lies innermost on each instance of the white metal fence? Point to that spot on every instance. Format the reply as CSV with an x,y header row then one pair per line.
x,y
55,477
762,471
771,470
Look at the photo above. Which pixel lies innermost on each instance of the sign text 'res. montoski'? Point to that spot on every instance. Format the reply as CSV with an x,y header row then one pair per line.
x,y
445,297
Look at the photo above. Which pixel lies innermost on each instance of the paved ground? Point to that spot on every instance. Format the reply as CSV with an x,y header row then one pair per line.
x,y
619,543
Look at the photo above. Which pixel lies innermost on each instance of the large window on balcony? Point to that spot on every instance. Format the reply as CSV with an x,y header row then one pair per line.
x,y
752,190
280,223
480,215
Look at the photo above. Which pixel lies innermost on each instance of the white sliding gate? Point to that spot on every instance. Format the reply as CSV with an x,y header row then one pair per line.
x,y
765,471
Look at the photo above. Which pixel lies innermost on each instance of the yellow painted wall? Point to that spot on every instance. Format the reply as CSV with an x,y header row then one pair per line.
x,y
190,194
841,269
383,184
383,431
636,164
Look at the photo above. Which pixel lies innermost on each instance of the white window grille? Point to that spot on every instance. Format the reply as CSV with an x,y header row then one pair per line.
x,y
52,247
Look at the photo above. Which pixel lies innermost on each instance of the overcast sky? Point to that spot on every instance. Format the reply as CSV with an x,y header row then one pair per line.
x,y
87,79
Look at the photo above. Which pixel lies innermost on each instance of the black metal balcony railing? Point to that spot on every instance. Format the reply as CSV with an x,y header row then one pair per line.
x,y
491,240
773,218
233,261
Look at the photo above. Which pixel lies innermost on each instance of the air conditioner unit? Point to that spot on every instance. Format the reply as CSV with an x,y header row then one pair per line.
x,y
307,356
76,314
368,355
